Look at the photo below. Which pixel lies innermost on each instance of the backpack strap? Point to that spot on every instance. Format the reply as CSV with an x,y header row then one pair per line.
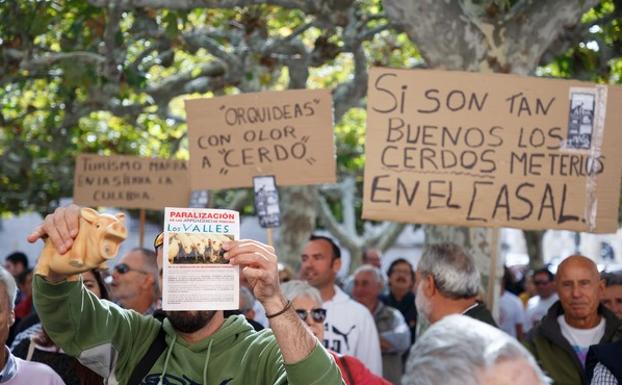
x,y
157,347
31,349
344,362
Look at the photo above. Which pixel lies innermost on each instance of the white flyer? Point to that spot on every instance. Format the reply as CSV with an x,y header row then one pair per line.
x,y
196,276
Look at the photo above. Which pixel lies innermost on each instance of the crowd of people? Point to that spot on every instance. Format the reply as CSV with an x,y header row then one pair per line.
x,y
410,325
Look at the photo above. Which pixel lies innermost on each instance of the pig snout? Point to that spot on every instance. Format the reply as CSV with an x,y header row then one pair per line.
x,y
116,230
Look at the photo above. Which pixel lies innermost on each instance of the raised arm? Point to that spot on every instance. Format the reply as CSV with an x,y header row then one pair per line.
x,y
259,265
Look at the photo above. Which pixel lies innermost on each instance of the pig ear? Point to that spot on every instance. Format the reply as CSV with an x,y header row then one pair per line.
x,y
89,214
120,216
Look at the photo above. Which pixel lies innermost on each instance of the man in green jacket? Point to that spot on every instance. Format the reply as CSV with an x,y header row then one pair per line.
x,y
561,341
202,347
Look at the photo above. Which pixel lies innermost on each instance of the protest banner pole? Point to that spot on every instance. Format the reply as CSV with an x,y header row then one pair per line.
x,y
142,228
492,273
269,232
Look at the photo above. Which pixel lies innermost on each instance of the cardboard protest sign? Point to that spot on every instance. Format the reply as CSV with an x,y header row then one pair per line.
x,y
130,182
492,150
288,134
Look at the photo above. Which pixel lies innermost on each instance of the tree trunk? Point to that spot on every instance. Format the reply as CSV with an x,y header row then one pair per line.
x,y
534,240
298,221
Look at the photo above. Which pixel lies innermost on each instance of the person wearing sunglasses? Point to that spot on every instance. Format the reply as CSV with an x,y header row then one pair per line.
x,y
538,306
198,347
307,302
135,281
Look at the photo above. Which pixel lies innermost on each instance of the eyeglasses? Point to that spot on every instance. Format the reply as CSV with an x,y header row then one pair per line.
x,y
318,315
158,241
123,268
541,283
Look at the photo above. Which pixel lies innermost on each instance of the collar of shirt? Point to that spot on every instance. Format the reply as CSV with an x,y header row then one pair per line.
x,y
10,369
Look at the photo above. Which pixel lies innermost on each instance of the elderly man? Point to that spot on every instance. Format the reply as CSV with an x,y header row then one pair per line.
x,y
459,350
612,296
14,370
448,283
392,328
135,281
349,327
190,347
561,341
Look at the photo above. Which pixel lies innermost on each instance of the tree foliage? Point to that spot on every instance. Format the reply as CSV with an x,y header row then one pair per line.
x,y
109,76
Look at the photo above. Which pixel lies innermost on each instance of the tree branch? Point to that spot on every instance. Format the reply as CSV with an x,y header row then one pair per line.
x,y
309,6
443,33
347,240
540,25
388,236
47,60
348,95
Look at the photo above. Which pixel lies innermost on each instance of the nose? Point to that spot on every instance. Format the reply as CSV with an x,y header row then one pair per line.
x,y
576,293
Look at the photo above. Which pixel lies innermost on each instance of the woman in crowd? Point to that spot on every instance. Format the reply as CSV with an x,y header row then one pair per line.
x,y
307,302
39,347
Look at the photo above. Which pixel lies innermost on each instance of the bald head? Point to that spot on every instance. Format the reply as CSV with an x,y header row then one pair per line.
x,y
578,262
579,288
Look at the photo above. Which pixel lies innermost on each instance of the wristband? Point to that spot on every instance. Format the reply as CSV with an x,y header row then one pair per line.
x,y
286,308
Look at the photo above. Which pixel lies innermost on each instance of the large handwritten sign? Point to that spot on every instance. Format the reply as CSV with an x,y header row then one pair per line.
x,y
492,150
130,182
288,134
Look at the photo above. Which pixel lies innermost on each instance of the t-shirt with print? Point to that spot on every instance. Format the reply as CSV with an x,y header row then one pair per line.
x,y
581,339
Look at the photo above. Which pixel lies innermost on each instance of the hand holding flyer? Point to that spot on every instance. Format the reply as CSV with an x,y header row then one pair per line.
x,y
259,263
196,275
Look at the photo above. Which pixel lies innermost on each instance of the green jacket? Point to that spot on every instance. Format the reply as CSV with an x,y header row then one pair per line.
x,y
553,352
111,341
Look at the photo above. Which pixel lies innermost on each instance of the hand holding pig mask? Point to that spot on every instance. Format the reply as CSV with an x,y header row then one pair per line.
x,y
97,241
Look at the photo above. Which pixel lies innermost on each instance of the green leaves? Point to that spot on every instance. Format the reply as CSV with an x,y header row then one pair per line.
x,y
119,84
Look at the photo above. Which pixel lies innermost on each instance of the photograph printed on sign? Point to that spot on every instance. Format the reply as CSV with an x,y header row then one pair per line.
x,y
267,201
197,248
580,120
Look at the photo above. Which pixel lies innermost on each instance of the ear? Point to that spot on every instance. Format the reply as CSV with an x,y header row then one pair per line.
x,y
12,318
429,286
89,214
149,280
601,288
336,265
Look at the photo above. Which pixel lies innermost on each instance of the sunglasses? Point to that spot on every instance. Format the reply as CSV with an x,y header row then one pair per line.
x,y
123,268
158,241
318,315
